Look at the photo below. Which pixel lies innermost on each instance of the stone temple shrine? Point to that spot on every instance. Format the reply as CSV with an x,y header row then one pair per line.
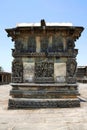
x,y
44,66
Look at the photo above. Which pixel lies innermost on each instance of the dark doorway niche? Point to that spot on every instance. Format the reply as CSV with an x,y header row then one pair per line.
x,y
0,78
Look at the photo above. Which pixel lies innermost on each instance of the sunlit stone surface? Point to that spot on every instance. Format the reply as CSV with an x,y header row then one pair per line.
x,y
44,65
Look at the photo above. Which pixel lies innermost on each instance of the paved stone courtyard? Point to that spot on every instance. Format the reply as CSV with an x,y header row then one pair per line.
x,y
42,119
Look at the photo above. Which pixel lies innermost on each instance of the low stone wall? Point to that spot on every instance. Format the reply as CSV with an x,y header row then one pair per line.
x,y
82,74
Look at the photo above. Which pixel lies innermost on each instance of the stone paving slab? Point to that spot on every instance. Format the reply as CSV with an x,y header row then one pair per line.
x,y
42,119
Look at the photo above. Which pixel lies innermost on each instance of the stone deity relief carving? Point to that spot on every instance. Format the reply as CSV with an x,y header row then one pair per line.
x,y
17,71
44,43
71,80
70,43
71,67
57,43
44,69
32,44
18,46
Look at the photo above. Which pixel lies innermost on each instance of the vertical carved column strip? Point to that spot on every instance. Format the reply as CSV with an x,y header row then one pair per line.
x,y
17,71
71,66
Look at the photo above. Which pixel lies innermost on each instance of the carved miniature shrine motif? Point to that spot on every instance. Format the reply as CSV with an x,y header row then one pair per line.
x,y
31,44
44,66
17,71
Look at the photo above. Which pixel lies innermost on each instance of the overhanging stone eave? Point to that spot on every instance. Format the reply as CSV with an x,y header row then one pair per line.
x,y
44,27
12,31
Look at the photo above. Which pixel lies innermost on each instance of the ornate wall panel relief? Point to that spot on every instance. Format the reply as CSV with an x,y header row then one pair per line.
x,y
71,71
57,45
18,46
71,67
17,71
44,71
44,43
32,44
70,43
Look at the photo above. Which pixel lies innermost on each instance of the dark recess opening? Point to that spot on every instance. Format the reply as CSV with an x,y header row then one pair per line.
x,y
0,78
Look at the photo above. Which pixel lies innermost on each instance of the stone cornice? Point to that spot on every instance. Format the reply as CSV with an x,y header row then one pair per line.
x,y
72,31
50,54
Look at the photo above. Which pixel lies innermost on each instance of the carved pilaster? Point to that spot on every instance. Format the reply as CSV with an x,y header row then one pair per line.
x,y
44,43
70,43
71,66
31,44
71,80
71,70
17,71
18,46
57,45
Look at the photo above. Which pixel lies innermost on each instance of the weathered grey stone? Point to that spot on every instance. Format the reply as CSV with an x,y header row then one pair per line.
x,y
44,66
41,103
42,119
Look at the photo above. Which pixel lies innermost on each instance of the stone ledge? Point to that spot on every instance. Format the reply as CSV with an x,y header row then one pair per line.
x,y
43,103
43,84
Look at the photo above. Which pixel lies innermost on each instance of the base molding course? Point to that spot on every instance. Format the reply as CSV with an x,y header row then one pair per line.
x,y
43,103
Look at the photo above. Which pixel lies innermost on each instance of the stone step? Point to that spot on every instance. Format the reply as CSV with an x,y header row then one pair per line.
x,y
44,94
43,103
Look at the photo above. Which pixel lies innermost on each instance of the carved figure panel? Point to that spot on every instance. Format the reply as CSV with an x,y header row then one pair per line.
x,y
71,67
44,69
70,43
71,80
17,71
44,43
57,44
32,44
18,46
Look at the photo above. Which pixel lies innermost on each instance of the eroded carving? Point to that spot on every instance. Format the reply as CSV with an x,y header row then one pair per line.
x,y
17,71
31,44
44,70
18,46
57,44
44,43
51,73
71,67
71,80
70,43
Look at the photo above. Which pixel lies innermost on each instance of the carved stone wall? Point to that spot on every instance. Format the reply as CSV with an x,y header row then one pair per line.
x,y
70,43
71,70
44,66
17,71
44,71
18,46
32,44
57,45
71,67
44,41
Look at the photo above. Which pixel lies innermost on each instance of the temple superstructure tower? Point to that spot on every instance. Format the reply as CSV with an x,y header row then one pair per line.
x,y
44,66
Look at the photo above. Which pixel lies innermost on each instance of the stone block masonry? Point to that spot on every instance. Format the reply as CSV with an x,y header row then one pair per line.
x,y
44,66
